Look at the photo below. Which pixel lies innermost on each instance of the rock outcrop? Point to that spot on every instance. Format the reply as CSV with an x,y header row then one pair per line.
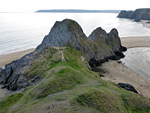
x,y
109,43
127,87
137,15
98,48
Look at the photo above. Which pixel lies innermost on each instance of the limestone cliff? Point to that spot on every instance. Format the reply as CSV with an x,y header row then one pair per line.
x,y
137,15
98,48
109,42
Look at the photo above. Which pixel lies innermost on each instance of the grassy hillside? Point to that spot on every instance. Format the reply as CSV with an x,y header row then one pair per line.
x,y
68,86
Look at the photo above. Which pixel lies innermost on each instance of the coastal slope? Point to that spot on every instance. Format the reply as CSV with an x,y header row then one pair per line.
x,y
58,75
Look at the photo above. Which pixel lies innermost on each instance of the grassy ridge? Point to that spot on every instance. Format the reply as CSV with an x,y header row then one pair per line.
x,y
68,86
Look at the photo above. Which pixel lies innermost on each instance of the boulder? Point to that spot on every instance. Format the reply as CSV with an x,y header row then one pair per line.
x,y
127,87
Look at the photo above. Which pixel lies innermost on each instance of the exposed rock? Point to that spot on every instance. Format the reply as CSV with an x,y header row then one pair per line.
x,y
127,87
125,14
109,43
101,75
137,15
98,48
10,75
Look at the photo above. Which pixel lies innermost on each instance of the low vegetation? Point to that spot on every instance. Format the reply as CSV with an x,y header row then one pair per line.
x,y
68,86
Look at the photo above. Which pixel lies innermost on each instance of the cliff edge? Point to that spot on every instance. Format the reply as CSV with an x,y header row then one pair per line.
x,y
137,15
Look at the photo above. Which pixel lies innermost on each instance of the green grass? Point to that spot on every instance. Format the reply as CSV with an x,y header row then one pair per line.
x,y
65,79
41,64
73,88
103,101
7,102
136,104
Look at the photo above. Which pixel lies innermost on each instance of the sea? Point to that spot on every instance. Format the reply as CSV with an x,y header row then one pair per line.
x,y
138,59
21,31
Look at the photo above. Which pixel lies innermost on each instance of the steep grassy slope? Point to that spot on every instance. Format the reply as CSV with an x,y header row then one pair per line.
x,y
68,86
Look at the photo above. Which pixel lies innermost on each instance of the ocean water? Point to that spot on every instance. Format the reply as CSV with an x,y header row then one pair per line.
x,y
138,59
21,31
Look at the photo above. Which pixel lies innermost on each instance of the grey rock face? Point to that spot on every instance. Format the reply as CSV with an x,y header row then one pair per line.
x,y
125,14
98,48
113,40
108,41
137,15
10,75
67,32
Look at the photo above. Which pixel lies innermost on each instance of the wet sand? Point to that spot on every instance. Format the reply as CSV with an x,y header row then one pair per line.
x,y
146,23
119,73
137,60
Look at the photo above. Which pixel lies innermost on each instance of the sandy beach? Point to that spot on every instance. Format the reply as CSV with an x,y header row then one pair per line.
x,y
8,58
132,42
115,72
119,73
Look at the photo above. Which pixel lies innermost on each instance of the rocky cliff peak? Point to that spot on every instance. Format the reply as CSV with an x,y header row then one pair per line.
x,y
98,48
111,39
98,33
109,42
63,33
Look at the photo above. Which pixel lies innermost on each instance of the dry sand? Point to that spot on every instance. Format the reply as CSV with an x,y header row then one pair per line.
x,y
115,72
8,58
119,73
4,92
132,42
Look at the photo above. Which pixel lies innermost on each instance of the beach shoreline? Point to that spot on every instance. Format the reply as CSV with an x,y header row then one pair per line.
x,y
135,41
121,74
8,58
146,23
